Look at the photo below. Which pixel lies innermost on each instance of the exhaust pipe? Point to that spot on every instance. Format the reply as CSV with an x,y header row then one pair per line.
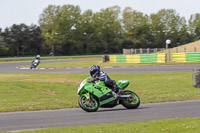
x,y
125,96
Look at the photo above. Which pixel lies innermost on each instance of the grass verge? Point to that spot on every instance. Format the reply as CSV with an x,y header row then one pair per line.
x,y
75,64
12,59
181,125
29,91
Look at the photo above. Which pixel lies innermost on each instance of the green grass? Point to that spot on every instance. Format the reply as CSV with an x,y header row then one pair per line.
x,y
181,125
11,59
25,91
76,64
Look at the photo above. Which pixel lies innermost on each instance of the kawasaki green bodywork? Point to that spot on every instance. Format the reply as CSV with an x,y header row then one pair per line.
x,y
100,90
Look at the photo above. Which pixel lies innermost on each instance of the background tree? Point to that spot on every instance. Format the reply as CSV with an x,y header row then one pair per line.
x,y
22,40
68,22
4,50
48,25
136,28
194,26
15,36
167,24
35,42
68,31
57,25
107,30
85,30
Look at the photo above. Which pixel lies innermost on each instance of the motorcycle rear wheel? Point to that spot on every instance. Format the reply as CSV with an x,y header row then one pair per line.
x,y
131,103
89,106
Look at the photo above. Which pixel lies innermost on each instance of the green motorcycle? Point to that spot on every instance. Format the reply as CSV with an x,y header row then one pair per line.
x,y
95,95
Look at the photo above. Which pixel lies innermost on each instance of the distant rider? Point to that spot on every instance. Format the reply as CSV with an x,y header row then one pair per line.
x,y
36,60
97,74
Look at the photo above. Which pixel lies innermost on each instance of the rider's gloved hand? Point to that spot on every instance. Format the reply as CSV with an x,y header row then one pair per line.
x,y
116,88
93,80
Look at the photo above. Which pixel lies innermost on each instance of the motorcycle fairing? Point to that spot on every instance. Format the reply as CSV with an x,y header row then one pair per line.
x,y
108,97
123,84
102,92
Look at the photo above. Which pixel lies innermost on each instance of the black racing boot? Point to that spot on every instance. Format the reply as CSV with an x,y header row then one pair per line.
x,y
117,89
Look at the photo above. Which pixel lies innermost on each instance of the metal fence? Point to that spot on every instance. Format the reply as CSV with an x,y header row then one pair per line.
x,y
142,51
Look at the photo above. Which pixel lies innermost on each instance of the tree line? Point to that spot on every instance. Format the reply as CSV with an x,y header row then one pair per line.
x,y
65,30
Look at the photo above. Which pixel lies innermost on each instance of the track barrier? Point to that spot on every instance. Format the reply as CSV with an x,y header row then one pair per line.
x,y
143,58
155,58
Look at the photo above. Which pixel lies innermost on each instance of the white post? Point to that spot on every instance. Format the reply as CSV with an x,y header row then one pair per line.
x,y
167,51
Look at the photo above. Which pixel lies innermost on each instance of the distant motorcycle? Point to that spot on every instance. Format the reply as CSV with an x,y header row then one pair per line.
x,y
97,94
35,63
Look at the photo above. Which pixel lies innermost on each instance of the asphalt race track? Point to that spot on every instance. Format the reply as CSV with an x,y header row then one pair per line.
x,y
14,121
11,68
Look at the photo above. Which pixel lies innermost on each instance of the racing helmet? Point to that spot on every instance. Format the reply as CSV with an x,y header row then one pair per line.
x,y
38,56
94,70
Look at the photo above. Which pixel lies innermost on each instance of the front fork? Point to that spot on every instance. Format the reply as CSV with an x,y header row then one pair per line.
x,y
88,96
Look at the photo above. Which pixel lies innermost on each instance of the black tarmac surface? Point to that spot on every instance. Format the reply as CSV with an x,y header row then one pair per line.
x,y
12,68
16,121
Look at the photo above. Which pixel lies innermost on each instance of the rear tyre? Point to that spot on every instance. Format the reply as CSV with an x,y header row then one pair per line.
x,y
131,103
88,105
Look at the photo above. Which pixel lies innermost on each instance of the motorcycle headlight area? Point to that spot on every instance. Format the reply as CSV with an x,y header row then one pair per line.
x,y
80,86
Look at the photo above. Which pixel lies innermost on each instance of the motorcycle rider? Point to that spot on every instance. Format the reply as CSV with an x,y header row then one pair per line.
x,y
36,59
97,74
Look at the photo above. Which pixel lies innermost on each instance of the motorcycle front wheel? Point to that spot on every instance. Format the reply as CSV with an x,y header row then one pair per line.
x,y
131,103
88,105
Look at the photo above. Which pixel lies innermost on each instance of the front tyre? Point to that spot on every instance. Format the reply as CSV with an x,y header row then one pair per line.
x,y
88,105
131,103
